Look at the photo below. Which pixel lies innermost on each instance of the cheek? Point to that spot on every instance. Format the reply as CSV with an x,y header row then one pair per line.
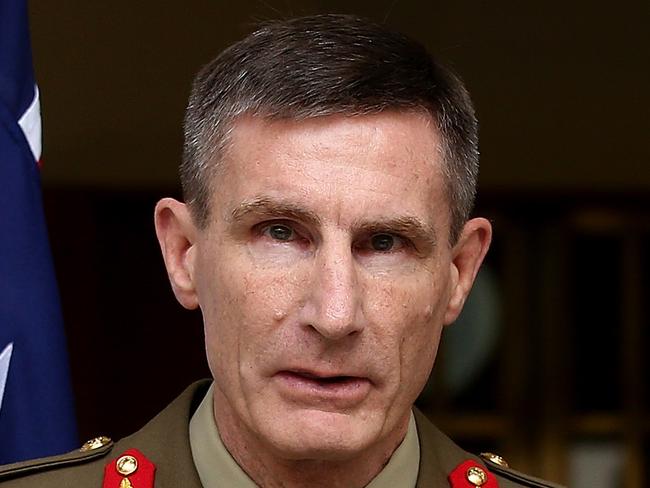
x,y
418,351
412,323
242,303
412,305
268,295
421,333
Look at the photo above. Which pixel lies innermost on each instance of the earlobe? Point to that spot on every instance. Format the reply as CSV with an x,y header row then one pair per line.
x,y
176,234
468,254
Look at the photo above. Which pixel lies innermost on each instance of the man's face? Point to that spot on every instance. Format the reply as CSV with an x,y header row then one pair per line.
x,y
325,276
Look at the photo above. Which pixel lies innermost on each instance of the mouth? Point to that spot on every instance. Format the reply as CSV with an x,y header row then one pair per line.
x,y
339,390
324,379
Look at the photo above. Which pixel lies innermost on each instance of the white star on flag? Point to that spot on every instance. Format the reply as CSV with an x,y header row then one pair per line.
x,y
5,358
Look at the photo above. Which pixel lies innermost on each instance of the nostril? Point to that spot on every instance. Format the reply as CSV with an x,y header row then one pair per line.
x,y
335,330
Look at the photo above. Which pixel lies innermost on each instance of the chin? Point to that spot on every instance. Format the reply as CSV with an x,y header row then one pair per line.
x,y
321,435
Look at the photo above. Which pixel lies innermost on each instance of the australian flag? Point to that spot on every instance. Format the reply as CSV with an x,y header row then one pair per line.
x,y
36,410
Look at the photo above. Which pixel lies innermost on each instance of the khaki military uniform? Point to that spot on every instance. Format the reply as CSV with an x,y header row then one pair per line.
x,y
165,442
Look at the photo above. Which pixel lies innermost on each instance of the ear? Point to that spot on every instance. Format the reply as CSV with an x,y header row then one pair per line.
x,y
467,256
176,234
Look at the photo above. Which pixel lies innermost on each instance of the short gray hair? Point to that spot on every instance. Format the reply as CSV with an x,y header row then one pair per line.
x,y
327,65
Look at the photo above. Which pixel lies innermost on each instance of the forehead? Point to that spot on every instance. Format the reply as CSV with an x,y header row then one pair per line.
x,y
372,164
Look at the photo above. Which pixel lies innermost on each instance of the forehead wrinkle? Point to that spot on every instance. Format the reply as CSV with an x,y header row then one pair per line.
x,y
272,207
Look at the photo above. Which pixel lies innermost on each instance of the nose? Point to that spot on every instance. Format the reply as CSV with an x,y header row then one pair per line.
x,y
334,296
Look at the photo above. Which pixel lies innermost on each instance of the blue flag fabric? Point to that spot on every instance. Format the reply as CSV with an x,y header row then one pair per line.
x,y
36,406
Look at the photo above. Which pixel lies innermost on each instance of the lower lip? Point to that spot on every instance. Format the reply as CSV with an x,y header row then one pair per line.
x,y
345,392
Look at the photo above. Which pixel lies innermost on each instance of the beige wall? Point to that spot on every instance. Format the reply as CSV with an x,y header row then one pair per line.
x,y
561,87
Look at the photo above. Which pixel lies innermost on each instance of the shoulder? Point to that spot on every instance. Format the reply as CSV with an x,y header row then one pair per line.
x,y
162,444
443,463
509,477
81,467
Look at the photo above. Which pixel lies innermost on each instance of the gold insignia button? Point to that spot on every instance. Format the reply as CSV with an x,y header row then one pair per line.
x,y
95,443
476,476
126,465
495,458
125,483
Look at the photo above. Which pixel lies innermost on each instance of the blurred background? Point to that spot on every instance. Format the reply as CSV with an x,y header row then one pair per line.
x,y
547,364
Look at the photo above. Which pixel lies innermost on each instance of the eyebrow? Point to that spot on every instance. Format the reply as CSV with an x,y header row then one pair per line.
x,y
408,226
266,206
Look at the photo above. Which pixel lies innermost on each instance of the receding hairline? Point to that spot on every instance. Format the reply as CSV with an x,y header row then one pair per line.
x,y
220,153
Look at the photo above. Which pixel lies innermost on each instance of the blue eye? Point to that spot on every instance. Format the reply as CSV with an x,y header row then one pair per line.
x,y
382,242
280,232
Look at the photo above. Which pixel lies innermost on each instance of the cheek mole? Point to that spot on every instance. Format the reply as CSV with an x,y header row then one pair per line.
x,y
428,312
279,314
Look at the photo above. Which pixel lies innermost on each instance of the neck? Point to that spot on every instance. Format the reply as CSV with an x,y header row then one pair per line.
x,y
270,469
